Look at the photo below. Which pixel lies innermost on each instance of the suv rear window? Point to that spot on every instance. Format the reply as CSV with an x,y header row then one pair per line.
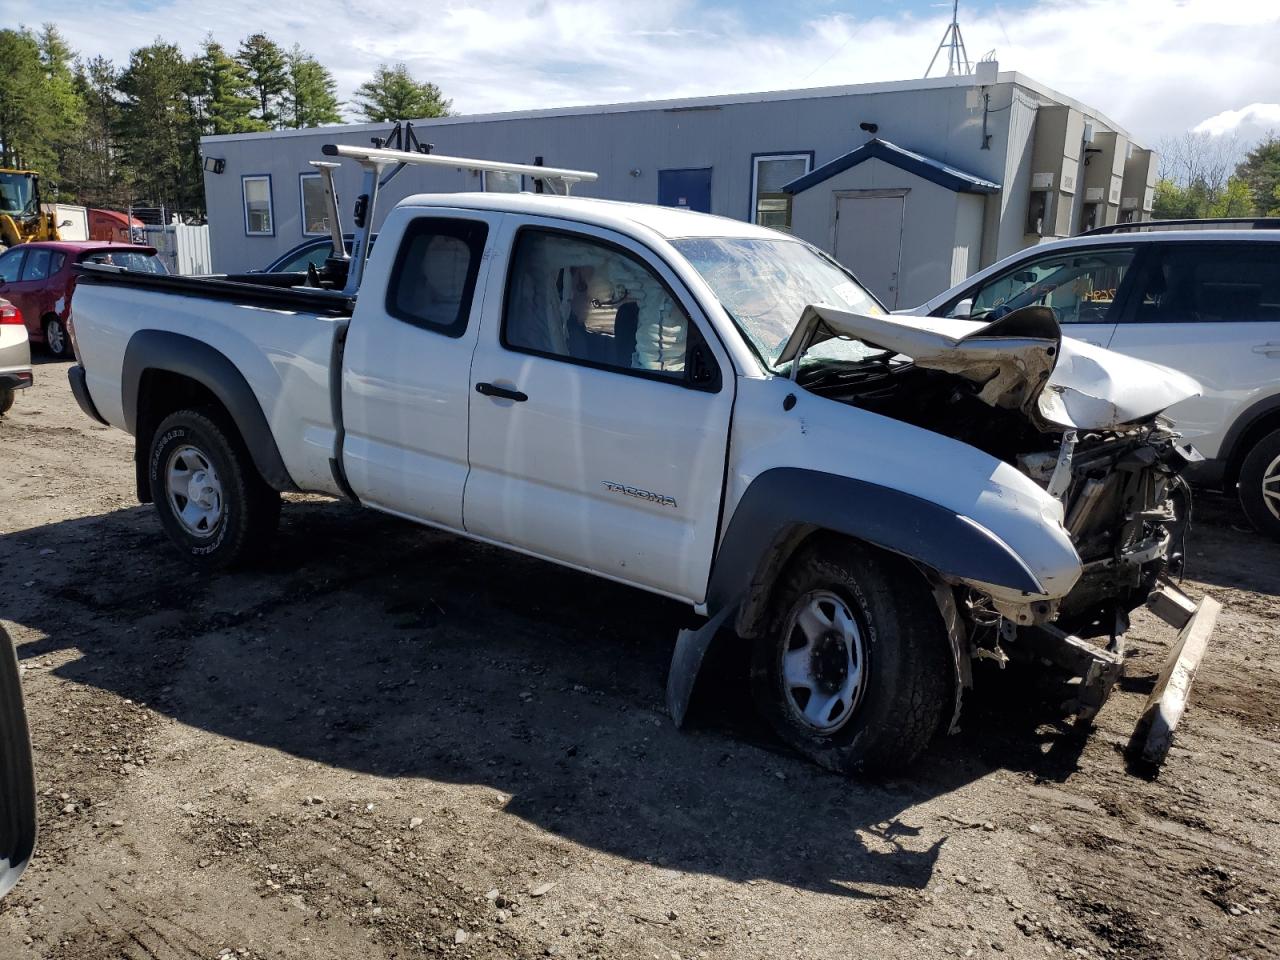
x,y
1201,283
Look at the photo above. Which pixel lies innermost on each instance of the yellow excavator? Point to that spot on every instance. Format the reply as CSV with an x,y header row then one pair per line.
x,y
22,217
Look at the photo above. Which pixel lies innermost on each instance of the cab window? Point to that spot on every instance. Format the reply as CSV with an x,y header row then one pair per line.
x,y
434,277
577,298
1081,286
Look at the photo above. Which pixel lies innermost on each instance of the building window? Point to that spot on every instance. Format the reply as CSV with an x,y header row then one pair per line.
x,y
315,211
770,207
501,181
258,220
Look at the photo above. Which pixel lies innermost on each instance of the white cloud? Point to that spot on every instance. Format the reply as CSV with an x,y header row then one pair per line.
x,y
1229,121
1157,67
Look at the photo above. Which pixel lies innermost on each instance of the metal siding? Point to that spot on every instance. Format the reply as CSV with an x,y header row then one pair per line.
x,y
939,121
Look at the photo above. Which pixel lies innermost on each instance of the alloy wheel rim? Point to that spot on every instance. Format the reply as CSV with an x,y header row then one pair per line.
x,y
1271,487
55,336
194,491
823,659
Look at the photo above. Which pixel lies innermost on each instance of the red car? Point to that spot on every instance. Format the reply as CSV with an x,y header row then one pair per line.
x,y
38,279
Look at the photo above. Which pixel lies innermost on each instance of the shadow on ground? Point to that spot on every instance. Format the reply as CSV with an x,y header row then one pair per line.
x,y
374,646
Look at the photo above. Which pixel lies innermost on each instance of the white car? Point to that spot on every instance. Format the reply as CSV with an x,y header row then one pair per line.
x,y
695,406
1204,301
15,355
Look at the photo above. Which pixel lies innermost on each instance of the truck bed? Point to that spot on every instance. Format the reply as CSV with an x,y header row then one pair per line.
x,y
282,339
280,290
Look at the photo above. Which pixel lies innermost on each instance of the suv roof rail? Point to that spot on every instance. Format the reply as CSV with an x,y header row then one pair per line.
x,y
1205,223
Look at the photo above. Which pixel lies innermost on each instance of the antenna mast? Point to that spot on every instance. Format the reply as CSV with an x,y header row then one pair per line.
x,y
957,58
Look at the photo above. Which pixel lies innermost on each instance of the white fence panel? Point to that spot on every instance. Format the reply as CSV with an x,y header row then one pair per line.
x,y
184,248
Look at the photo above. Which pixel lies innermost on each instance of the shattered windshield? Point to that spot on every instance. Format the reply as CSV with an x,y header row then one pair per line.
x,y
17,195
765,285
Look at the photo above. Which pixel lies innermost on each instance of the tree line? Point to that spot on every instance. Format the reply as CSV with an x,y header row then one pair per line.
x,y
1206,176
113,136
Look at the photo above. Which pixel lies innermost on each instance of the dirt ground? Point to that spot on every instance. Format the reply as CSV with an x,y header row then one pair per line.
x,y
383,741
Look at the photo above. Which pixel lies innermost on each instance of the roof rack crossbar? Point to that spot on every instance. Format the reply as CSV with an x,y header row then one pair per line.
x,y
1242,223
383,155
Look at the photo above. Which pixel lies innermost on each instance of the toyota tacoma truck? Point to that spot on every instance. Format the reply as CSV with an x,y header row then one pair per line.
x,y
695,406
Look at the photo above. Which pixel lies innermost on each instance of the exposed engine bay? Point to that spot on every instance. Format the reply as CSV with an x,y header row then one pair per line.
x,y
1119,487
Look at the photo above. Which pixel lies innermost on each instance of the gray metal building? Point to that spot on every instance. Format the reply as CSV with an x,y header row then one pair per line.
x,y
913,185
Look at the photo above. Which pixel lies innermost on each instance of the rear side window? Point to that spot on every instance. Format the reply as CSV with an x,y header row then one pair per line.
x,y
134,260
37,265
1223,283
9,264
434,277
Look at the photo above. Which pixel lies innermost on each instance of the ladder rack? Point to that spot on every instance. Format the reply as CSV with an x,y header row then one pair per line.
x,y
376,158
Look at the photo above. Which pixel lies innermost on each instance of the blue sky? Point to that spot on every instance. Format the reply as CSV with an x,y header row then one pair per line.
x,y
1157,67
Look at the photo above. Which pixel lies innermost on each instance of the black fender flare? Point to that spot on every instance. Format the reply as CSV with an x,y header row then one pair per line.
x,y
785,504
198,361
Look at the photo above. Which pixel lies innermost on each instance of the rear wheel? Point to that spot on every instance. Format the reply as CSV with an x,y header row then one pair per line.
x,y
211,501
6,399
1260,485
56,340
854,670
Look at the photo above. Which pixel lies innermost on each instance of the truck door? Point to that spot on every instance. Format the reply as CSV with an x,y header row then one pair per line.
x,y
599,412
407,363
1211,310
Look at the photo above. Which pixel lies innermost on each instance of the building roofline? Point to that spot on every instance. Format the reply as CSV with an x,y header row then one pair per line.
x,y
688,104
927,168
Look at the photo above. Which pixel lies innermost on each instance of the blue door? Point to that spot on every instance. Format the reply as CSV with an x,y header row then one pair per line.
x,y
690,189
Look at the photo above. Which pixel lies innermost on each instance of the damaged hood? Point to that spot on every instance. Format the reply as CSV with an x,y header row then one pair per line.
x,y
1022,361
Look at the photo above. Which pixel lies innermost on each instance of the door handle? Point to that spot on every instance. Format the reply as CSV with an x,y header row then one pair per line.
x,y
503,393
1271,350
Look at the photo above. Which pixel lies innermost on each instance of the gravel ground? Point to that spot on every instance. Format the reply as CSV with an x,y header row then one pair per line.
x,y
384,741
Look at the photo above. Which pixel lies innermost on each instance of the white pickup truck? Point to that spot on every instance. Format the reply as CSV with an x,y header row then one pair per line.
x,y
699,407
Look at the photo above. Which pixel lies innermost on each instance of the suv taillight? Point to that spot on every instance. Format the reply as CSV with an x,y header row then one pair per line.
x,y
9,313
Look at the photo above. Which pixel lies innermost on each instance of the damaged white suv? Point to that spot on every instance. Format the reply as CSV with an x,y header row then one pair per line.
x,y
696,406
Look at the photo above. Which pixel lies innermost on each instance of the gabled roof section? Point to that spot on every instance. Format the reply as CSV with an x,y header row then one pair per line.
x,y
876,149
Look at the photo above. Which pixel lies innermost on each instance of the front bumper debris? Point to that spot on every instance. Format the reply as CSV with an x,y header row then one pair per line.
x,y
1153,734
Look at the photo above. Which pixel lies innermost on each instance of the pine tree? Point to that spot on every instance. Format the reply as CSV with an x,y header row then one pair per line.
x,y
311,99
267,70
23,135
224,100
98,174
62,112
158,132
392,94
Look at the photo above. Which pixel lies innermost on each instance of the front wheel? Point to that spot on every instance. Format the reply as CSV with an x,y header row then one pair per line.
x,y
56,340
854,670
211,500
1260,485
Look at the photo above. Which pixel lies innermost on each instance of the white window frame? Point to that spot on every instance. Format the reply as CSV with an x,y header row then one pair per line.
x,y
271,208
302,204
806,156
484,183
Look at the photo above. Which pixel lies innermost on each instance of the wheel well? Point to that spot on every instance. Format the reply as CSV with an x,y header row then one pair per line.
x,y
1264,425
160,393
753,613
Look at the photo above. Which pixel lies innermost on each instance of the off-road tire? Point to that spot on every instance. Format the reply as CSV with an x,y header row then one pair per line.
x,y
1258,464
6,399
250,508
908,687
62,337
